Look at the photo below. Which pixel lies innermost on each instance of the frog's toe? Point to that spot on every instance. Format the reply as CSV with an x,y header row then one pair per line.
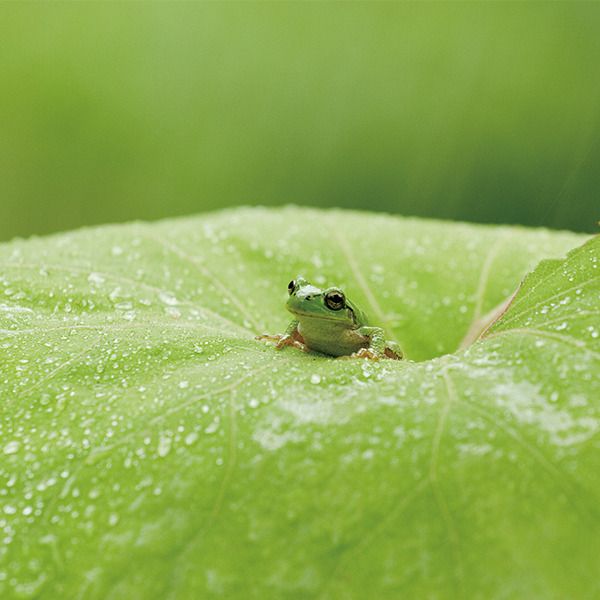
x,y
288,340
278,340
300,346
283,341
268,337
366,353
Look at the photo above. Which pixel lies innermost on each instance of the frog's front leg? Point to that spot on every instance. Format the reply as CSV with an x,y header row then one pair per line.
x,y
291,337
378,347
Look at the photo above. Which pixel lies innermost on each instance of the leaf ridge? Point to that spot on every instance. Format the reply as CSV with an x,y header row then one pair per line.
x,y
556,263
453,535
365,542
518,314
567,339
128,281
116,327
363,284
58,369
558,476
97,453
484,277
206,272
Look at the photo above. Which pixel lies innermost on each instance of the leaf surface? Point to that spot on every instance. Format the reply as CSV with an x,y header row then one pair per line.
x,y
152,448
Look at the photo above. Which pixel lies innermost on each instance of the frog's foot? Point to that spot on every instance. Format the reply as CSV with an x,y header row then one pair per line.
x,y
283,340
393,353
267,337
292,342
366,353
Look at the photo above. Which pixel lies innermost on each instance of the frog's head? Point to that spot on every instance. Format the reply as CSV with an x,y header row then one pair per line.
x,y
306,300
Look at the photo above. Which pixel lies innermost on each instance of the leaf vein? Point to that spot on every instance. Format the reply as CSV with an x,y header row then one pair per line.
x,y
206,272
363,284
518,314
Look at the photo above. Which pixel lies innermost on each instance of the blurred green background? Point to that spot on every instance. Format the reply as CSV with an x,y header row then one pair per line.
x,y
482,112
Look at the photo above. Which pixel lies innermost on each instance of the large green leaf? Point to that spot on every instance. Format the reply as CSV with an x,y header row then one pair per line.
x,y
152,448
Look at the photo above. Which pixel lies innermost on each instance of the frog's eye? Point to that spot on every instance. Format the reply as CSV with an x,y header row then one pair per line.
x,y
291,286
335,300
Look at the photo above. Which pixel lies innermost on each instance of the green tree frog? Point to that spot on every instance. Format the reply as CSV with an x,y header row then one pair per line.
x,y
327,321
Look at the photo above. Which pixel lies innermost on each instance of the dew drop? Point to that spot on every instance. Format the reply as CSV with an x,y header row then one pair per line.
x,y
190,438
164,446
168,299
96,278
12,447
212,427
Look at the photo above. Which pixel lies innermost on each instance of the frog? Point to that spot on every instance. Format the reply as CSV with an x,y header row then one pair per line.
x,y
328,322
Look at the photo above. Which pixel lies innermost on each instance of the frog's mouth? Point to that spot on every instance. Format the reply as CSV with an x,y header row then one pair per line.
x,y
343,315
